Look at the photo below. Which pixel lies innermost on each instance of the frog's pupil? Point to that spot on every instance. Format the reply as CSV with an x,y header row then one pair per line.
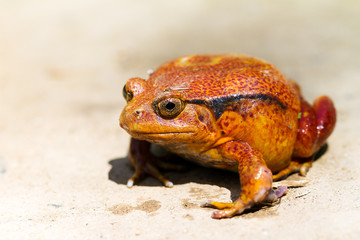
x,y
170,106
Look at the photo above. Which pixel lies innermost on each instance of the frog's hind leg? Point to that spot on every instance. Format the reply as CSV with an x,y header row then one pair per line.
x,y
316,123
326,119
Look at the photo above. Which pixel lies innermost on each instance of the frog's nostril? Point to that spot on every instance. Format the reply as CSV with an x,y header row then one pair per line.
x,y
138,113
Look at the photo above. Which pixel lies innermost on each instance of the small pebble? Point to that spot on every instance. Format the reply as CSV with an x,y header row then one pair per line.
x,y
150,71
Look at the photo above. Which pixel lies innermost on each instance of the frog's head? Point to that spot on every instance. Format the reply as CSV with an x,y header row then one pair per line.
x,y
163,115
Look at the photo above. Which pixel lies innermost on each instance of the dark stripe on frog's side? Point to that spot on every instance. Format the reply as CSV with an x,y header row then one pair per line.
x,y
220,105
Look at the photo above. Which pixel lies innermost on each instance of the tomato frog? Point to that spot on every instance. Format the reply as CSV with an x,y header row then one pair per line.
x,y
226,111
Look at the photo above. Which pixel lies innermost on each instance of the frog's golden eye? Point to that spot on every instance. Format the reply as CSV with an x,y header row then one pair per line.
x,y
170,107
128,95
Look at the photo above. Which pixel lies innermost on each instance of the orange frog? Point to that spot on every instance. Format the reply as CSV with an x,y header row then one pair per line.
x,y
226,111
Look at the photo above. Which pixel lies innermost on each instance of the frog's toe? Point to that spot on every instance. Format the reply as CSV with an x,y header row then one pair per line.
x,y
167,183
218,205
232,209
147,168
138,175
225,213
274,195
226,210
304,168
130,183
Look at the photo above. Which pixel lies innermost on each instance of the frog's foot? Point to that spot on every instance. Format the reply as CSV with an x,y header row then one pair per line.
x,y
276,194
302,167
141,171
255,177
227,210
143,162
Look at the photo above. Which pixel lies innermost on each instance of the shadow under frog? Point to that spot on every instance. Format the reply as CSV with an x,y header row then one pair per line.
x,y
121,170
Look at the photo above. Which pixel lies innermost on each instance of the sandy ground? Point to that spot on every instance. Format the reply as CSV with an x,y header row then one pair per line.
x,y
63,165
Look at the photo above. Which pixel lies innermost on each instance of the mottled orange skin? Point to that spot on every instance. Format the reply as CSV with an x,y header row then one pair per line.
x,y
239,113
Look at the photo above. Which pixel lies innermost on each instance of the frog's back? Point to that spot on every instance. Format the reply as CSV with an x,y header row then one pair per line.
x,y
213,78
247,96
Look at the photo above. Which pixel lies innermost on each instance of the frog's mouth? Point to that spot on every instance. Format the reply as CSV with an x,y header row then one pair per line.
x,y
154,134
162,136
160,133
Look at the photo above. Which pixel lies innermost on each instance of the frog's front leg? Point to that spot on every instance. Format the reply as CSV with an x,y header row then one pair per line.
x,y
255,178
143,161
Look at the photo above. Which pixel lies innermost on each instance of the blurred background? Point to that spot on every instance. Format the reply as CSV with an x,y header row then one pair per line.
x,y
62,68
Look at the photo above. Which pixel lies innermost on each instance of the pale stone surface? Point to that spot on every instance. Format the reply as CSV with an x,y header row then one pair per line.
x,y
62,68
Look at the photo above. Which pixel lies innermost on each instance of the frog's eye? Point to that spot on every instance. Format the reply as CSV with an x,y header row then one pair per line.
x,y
127,94
170,107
